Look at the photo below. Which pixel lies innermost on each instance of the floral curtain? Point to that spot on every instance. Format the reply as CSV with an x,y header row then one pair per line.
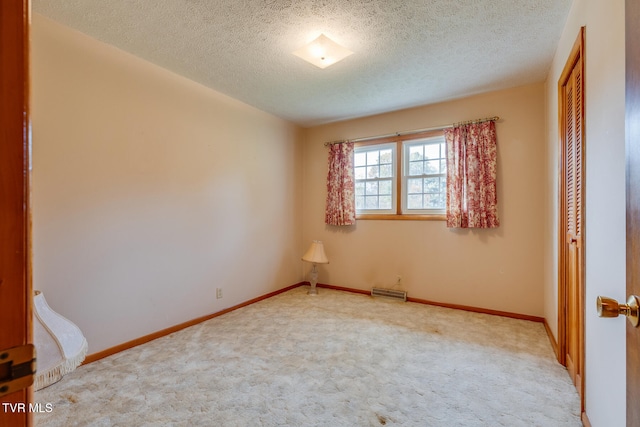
x,y
340,208
471,176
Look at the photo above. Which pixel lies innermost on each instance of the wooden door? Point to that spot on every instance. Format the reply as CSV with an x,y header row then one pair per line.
x,y
15,284
633,202
571,216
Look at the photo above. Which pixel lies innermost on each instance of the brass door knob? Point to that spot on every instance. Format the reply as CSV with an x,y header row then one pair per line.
x,y
608,307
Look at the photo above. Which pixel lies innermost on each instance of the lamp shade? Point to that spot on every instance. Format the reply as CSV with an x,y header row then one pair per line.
x,y
315,253
60,345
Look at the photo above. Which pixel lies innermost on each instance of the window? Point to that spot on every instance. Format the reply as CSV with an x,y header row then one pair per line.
x,y
374,172
425,176
402,178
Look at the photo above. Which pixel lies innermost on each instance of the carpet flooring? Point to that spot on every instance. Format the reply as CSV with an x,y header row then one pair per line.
x,y
337,359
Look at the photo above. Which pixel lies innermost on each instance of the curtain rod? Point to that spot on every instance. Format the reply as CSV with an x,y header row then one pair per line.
x,y
411,132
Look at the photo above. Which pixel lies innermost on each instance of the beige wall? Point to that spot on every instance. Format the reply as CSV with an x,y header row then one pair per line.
x,y
496,269
149,191
604,202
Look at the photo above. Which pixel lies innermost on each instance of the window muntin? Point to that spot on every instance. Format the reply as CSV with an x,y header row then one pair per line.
x,y
424,181
375,178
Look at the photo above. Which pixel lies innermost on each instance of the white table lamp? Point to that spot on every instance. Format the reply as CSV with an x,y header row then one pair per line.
x,y
315,255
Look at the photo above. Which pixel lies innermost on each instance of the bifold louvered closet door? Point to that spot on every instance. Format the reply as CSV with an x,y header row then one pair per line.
x,y
572,212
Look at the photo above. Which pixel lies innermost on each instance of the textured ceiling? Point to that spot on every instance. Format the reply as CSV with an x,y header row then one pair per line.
x,y
407,52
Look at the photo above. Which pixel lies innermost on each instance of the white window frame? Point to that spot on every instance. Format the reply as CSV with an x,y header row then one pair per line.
x,y
406,150
394,162
399,196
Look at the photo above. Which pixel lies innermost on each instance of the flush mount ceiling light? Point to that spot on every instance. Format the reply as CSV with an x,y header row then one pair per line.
x,y
322,52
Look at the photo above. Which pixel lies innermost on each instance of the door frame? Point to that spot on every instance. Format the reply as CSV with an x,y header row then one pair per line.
x,y
15,221
577,53
632,183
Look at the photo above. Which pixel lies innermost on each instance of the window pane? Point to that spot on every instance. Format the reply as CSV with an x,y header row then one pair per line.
x,y
432,185
433,201
424,183
414,186
385,202
432,166
432,151
415,153
386,171
384,187
373,157
371,188
375,173
415,168
371,202
414,202
386,156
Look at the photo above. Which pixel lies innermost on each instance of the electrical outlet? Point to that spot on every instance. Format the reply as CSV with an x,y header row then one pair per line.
x,y
218,293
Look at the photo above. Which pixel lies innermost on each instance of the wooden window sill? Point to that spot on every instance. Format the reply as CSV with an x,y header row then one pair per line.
x,y
438,217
